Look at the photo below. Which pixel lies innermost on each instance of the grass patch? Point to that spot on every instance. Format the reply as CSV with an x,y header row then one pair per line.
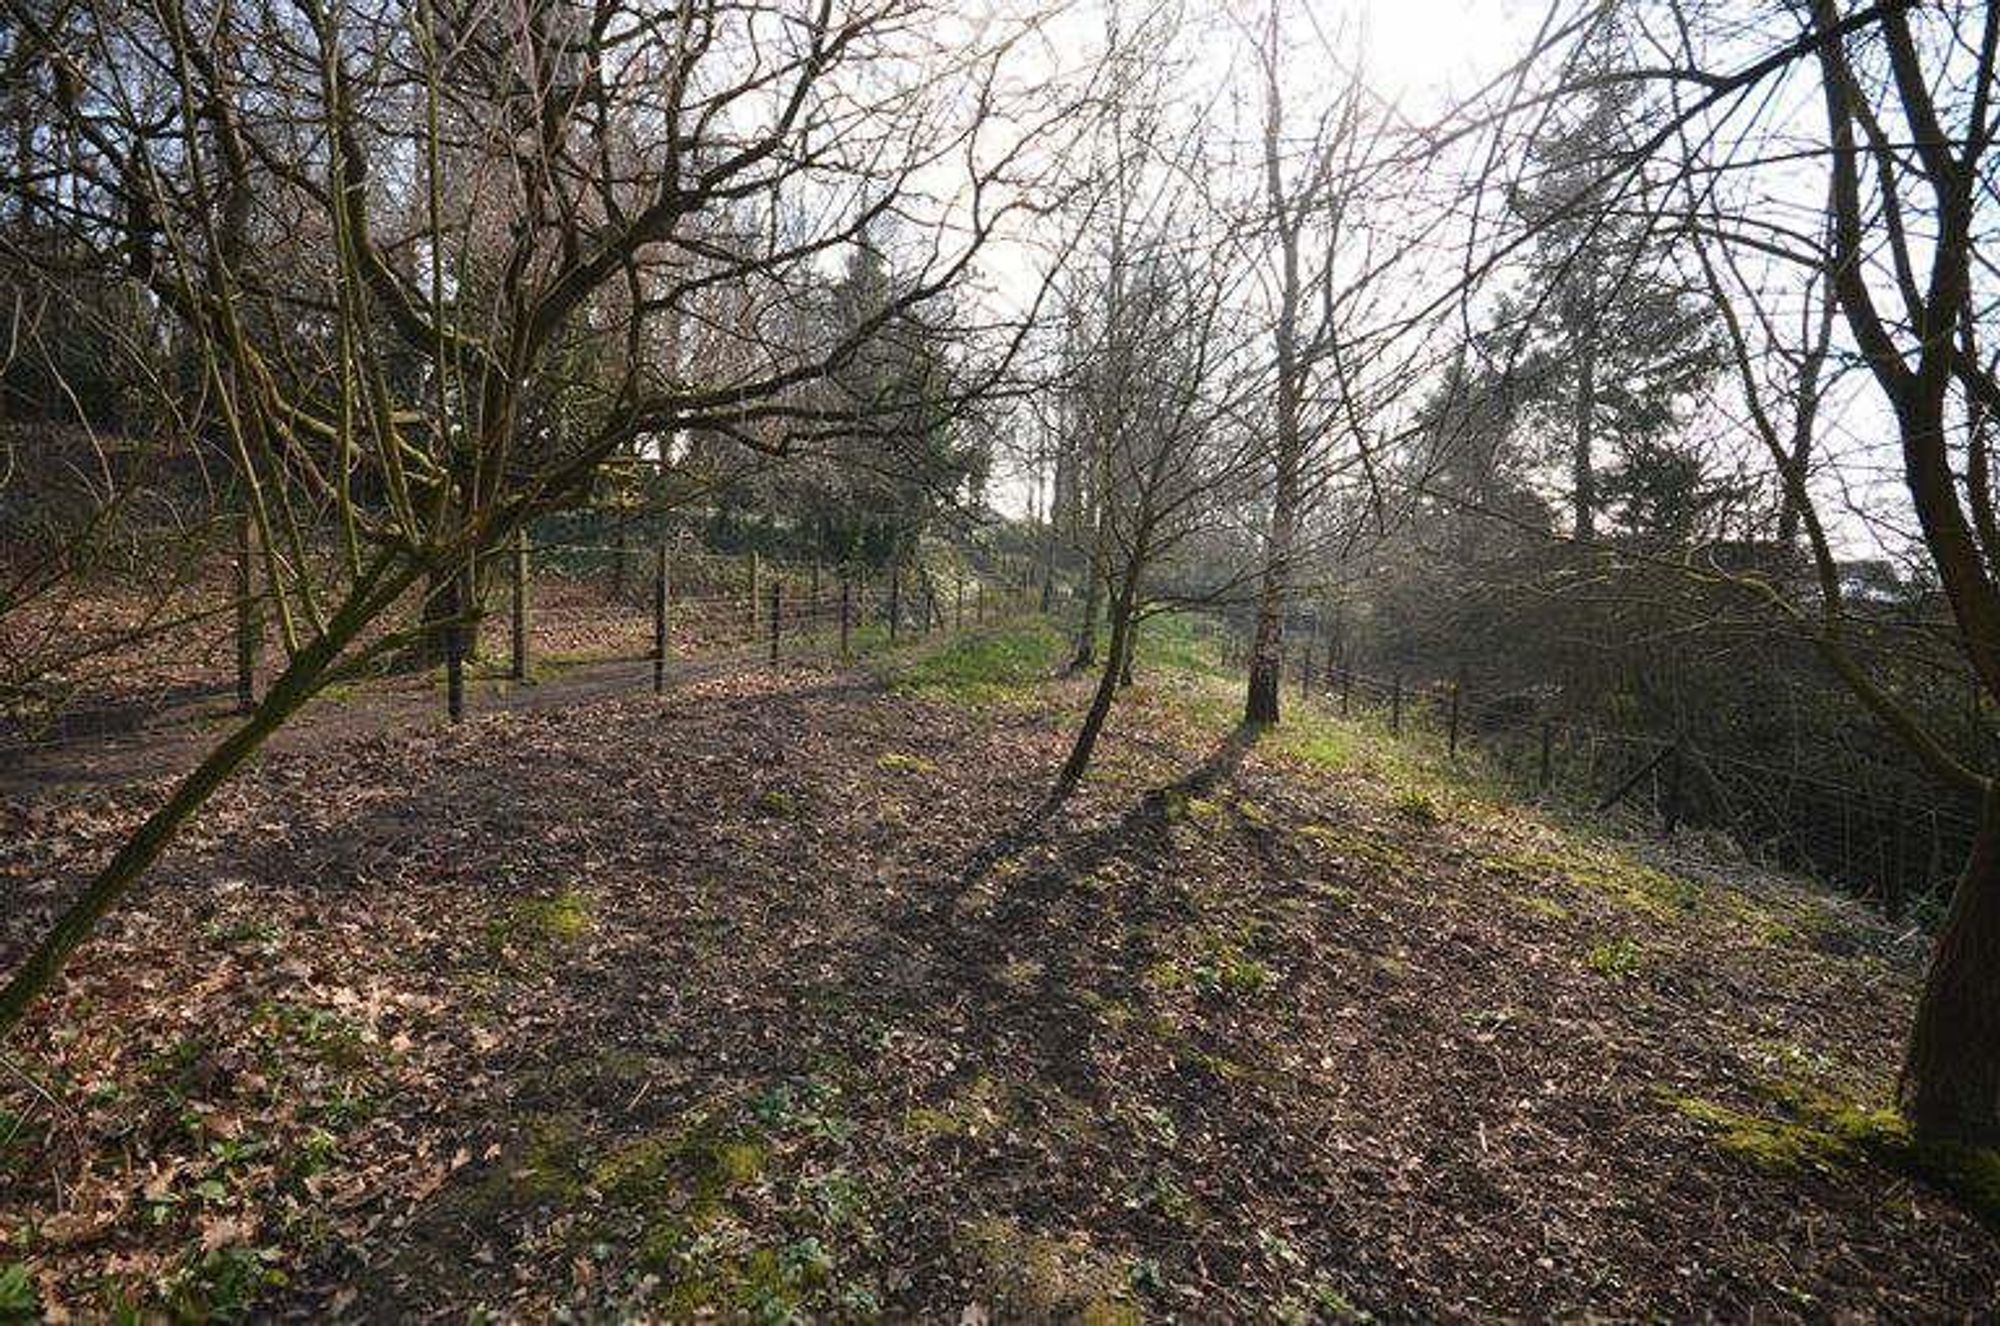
x,y
984,667
1179,642
1602,870
1617,957
898,762
1546,908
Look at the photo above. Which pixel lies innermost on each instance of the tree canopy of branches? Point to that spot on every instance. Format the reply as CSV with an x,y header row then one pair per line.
x,y
429,267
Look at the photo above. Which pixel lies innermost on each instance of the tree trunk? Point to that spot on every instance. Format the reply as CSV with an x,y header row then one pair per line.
x,y
1583,464
306,673
443,593
1950,1087
1100,701
1267,646
1267,650
1093,597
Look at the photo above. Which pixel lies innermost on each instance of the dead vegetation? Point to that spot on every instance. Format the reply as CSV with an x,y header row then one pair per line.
x,y
779,999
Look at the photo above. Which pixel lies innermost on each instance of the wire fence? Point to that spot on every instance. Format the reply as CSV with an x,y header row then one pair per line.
x,y
678,613
1898,851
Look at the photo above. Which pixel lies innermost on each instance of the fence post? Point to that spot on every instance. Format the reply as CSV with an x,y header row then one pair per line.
x,y
1899,870
756,568
1545,772
930,604
1346,689
1305,668
1672,809
979,602
247,622
1451,741
776,616
959,582
519,670
812,611
454,650
895,601
1396,705
660,620
846,618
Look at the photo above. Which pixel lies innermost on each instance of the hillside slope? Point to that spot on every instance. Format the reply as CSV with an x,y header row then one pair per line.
x,y
779,998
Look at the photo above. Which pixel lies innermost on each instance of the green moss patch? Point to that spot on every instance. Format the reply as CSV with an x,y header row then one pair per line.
x,y
1807,1128
540,923
898,762
1031,1277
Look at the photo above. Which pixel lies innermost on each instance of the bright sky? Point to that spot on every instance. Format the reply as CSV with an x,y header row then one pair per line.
x,y
1420,51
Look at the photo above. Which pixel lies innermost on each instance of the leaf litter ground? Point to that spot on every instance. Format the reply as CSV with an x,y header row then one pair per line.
x,y
783,997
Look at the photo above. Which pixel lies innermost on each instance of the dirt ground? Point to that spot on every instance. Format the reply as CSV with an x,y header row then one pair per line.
x,y
785,997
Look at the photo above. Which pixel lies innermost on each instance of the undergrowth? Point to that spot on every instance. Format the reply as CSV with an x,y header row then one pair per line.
x,y
982,667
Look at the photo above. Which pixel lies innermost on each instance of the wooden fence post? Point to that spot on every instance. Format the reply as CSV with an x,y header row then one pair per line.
x,y
247,618
930,604
776,617
1900,868
846,618
1545,772
895,601
756,569
1305,668
1396,705
1672,809
519,669
660,592
960,583
1451,741
979,602
1346,689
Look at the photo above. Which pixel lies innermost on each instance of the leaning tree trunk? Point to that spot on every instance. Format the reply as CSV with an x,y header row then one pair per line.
x,y
1100,701
1951,1071
308,671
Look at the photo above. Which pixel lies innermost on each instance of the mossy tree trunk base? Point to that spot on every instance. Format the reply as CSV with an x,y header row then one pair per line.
x,y
1951,1072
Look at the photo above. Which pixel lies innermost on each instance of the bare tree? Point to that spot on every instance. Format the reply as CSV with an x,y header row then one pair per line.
x,y
436,265
1317,265
1886,111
